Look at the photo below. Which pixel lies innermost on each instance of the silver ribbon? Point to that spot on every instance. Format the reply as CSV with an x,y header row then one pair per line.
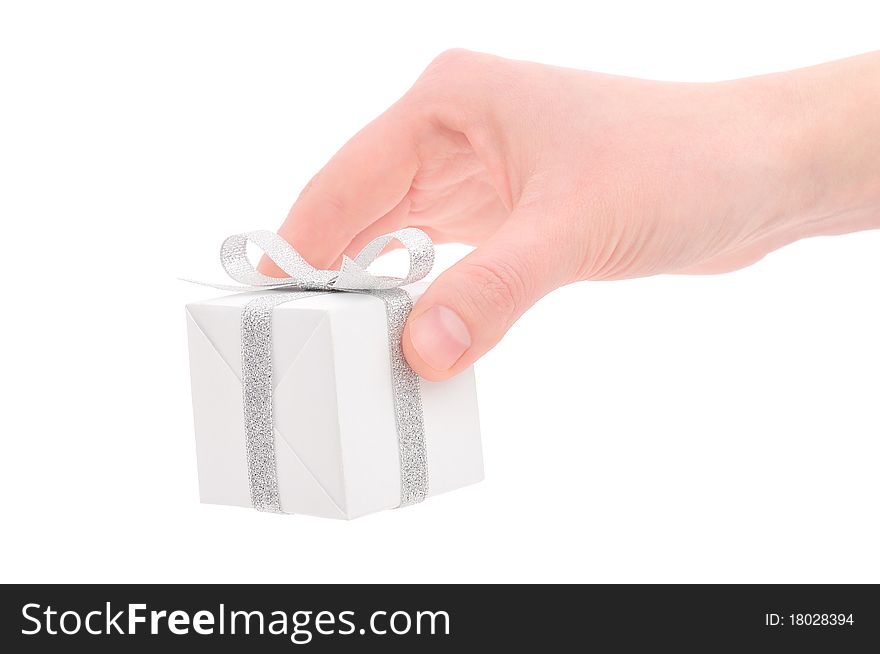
x,y
256,347
351,276
256,383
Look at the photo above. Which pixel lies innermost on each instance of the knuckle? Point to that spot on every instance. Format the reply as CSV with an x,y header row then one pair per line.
x,y
328,212
497,287
310,185
333,207
454,86
441,80
451,69
450,60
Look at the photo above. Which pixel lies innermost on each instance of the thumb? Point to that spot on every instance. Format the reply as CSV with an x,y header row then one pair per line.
x,y
467,310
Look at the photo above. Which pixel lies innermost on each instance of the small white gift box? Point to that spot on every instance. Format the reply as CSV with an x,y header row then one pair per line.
x,y
336,439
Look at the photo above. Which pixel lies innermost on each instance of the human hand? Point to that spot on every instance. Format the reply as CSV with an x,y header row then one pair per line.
x,y
559,175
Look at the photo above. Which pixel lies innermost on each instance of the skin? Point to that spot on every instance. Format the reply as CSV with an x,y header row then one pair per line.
x,y
560,175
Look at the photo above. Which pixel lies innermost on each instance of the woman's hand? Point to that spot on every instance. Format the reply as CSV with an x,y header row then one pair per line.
x,y
559,175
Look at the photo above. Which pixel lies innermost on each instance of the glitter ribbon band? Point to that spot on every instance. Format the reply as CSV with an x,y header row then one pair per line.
x,y
256,347
257,395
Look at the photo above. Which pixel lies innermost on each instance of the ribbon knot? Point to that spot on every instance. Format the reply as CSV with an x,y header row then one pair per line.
x,y
302,276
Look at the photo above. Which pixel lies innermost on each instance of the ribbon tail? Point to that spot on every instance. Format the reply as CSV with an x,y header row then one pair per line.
x,y
231,287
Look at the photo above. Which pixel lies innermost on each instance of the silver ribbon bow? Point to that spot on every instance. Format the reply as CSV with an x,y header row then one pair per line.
x,y
351,276
256,346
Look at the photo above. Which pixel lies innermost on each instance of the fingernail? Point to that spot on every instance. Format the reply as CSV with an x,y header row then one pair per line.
x,y
440,337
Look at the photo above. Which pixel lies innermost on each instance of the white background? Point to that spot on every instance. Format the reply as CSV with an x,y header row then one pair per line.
x,y
667,429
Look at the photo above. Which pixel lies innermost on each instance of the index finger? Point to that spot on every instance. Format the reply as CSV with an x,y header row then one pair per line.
x,y
366,179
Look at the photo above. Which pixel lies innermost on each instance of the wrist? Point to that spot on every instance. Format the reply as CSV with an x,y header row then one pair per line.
x,y
827,124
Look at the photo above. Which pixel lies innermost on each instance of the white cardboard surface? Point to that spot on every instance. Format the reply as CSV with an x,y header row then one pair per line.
x,y
336,438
